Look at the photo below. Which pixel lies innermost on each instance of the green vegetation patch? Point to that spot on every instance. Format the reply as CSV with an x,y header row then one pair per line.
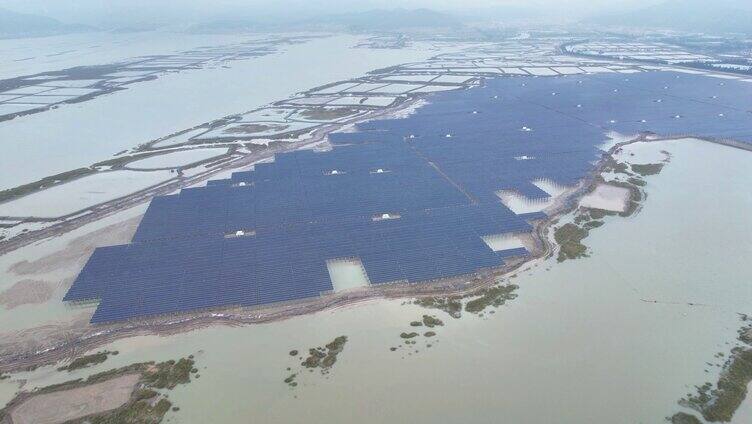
x,y
409,335
88,360
569,237
684,418
138,412
636,181
612,165
592,224
631,208
325,358
599,213
648,169
250,128
145,406
325,114
315,355
23,190
719,404
167,375
431,321
580,218
290,380
450,304
493,296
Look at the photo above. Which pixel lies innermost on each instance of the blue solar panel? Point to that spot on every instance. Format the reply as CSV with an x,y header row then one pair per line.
x,y
438,169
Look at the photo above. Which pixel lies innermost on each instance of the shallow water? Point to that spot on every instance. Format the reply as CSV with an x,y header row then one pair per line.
x,y
26,56
82,193
80,134
579,344
60,274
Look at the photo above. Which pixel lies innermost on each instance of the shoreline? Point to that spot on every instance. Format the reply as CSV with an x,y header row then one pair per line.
x,y
88,337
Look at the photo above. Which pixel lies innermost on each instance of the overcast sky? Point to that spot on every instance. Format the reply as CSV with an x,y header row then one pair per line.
x,y
87,10
96,11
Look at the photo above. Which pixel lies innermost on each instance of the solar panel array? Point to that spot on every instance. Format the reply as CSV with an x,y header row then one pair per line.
x,y
410,197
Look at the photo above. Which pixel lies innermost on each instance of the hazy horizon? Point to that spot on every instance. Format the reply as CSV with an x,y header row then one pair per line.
x,y
96,13
692,15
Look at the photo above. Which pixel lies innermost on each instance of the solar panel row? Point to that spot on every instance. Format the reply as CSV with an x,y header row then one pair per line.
x,y
264,236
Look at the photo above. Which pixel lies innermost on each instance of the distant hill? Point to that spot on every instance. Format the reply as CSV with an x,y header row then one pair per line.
x,y
17,25
378,20
391,20
719,16
229,26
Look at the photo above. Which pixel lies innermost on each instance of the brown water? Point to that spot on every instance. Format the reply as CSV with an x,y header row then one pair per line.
x,y
579,345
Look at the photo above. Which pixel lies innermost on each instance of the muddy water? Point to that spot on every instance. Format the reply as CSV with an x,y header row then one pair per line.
x,y
606,339
57,261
